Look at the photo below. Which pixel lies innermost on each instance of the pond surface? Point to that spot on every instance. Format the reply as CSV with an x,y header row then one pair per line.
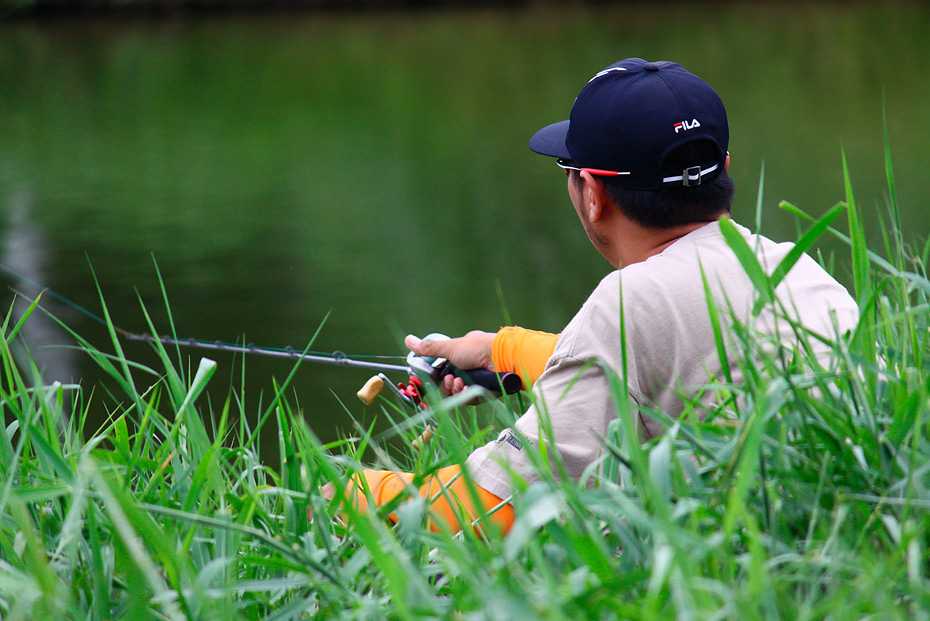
x,y
370,172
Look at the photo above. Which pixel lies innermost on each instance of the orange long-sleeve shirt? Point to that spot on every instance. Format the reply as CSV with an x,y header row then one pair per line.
x,y
522,351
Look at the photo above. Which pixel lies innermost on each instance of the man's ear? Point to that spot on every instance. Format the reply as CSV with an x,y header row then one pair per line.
x,y
593,196
726,162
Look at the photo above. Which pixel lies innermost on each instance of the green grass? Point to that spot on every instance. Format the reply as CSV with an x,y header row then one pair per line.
x,y
804,495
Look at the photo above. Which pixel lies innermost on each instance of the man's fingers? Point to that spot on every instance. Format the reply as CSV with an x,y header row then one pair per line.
x,y
472,351
452,385
412,342
421,347
329,490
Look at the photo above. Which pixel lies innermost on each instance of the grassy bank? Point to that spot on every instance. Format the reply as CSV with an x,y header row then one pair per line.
x,y
804,494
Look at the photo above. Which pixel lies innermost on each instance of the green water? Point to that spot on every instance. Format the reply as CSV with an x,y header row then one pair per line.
x,y
372,170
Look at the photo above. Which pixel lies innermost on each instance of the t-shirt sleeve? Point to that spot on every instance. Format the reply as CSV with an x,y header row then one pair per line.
x,y
523,351
574,402
574,405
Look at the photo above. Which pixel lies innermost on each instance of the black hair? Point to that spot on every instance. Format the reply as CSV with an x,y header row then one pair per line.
x,y
677,205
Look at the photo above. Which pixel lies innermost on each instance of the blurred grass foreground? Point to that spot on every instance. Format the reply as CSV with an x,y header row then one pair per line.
x,y
804,494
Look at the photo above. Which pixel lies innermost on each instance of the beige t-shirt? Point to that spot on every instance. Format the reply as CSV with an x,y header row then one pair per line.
x,y
669,340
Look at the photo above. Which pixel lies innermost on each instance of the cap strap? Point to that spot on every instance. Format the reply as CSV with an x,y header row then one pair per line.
x,y
691,176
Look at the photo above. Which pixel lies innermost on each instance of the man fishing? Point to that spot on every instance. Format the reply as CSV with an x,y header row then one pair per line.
x,y
645,153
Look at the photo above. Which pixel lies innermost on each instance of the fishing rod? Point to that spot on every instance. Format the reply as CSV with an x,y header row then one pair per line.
x,y
336,358
420,369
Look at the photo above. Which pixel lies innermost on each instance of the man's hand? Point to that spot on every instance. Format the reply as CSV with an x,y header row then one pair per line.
x,y
329,491
472,351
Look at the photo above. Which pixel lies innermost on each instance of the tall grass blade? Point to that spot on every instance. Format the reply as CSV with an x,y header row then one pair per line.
x,y
896,228
860,259
748,261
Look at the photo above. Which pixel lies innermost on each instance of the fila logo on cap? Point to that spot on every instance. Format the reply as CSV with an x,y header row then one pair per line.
x,y
685,125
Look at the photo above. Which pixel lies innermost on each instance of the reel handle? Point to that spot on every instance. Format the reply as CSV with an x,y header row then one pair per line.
x,y
371,389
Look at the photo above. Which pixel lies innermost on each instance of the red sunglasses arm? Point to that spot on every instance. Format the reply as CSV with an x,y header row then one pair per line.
x,y
603,173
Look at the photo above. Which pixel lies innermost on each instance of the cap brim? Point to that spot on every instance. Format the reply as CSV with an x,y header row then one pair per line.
x,y
550,140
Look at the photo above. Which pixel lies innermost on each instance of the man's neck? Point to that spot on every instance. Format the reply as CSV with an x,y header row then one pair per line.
x,y
640,243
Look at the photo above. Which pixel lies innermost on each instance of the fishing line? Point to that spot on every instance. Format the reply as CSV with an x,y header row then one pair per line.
x,y
336,358
53,294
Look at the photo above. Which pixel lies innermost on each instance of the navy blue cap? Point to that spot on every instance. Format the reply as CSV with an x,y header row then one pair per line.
x,y
631,115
